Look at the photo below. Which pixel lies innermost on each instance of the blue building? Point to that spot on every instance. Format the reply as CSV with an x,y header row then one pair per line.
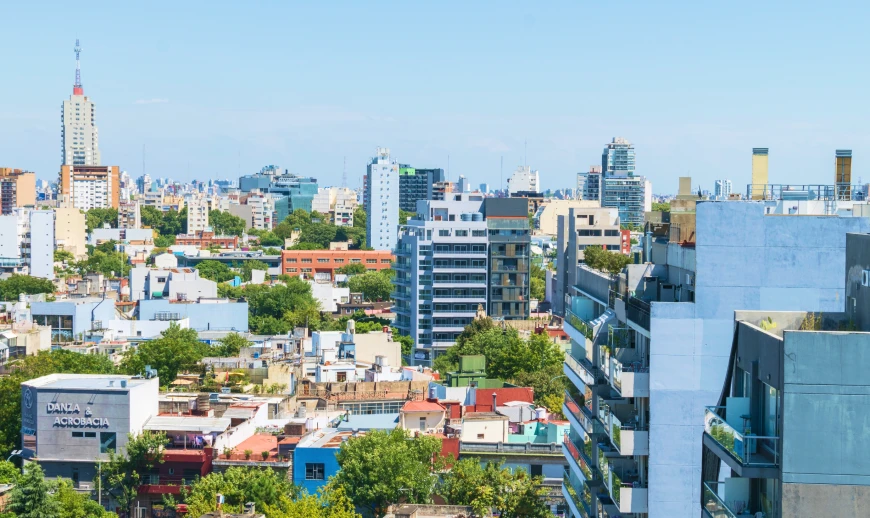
x,y
70,319
217,316
314,458
295,192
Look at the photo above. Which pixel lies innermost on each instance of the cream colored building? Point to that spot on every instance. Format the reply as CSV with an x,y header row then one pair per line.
x,y
547,216
80,140
425,417
484,427
197,214
70,230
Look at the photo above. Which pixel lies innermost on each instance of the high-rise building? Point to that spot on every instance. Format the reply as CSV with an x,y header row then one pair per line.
x,y
465,254
651,347
462,185
589,184
79,137
843,174
722,189
416,184
90,187
129,214
338,203
27,242
484,188
759,173
17,189
197,214
632,195
524,180
618,158
382,202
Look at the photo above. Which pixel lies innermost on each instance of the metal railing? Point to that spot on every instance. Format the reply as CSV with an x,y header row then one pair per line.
x,y
637,311
581,455
588,374
748,449
589,422
508,448
582,499
714,505
579,324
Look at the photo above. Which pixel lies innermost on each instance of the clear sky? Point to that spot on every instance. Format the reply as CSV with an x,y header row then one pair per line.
x,y
214,88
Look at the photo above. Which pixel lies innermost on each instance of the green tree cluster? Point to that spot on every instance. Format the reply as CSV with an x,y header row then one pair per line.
x,y
97,218
605,260
494,489
315,231
230,346
176,350
121,475
36,497
225,224
537,282
661,207
405,215
15,285
375,286
215,270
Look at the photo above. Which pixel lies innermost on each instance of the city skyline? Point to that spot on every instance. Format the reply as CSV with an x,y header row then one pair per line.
x,y
215,95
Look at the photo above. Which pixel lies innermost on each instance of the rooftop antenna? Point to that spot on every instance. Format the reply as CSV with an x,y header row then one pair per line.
x,y
344,173
501,173
77,87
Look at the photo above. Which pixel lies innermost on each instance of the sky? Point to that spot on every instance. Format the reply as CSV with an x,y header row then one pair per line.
x,y
212,90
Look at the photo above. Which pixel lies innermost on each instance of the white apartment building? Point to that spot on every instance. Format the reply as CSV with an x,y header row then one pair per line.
x,y
262,210
129,215
382,201
197,214
524,180
27,243
722,189
79,137
338,202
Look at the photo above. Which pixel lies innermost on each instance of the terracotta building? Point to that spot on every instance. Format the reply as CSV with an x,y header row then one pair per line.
x,y
17,189
206,239
322,264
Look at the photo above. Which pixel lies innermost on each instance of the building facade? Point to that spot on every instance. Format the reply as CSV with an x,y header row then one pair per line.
x,y
80,141
129,214
722,189
27,242
416,185
90,187
197,214
759,172
455,257
617,159
17,189
322,265
524,180
632,196
382,201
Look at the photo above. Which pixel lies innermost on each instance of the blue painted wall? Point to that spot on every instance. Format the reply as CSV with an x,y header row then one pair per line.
x,y
203,317
303,456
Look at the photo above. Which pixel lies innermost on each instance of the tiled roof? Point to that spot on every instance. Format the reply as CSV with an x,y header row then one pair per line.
x,y
422,406
483,401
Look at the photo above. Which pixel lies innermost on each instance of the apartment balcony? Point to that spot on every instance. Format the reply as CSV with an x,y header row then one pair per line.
x,y
464,253
730,499
637,311
625,487
748,455
579,500
581,417
579,457
630,380
577,328
593,284
629,441
581,371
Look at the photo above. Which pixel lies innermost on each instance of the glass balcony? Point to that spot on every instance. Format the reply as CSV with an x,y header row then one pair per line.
x,y
590,424
583,369
748,449
582,498
582,327
718,503
581,454
629,379
624,486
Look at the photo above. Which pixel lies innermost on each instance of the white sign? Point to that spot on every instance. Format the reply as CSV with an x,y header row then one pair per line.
x,y
88,421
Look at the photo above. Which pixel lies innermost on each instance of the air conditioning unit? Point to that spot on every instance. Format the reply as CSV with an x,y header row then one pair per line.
x,y
865,278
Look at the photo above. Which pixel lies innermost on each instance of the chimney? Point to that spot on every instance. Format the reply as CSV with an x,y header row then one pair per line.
x,y
493,402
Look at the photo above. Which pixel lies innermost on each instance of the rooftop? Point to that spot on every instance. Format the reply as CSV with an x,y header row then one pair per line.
x,y
325,438
88,382
361,422
422,406
174,423
484,416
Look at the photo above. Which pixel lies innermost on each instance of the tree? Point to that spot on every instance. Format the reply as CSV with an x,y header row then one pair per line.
x,y
151,217
373,285
360,218
406,342
122,473
9,473
73,504
268,238
63,255
307,246
164,241
605,260
494,489
352,269
380,468
230,345
31,498
405,215
226,224
661,207
97,218
270,491
176,350
250,266
537,288
215,271
105,260
15,285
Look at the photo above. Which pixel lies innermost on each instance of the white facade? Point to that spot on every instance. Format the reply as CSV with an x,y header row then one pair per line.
x,y
328,295
197,214
337,202
79,137
262,210
722,189
27,242
524,180
382,201
91,193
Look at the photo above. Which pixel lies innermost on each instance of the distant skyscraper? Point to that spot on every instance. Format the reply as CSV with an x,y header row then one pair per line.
x,y
843,173
524,180
79,137
416,184
722,189
463,185
484,188
589,184
382,201
618,158
759,172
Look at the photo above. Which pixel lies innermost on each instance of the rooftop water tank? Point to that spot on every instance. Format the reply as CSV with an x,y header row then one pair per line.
x,y
477,216
465,216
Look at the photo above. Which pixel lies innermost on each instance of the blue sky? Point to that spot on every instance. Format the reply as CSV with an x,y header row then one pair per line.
x,y
211,89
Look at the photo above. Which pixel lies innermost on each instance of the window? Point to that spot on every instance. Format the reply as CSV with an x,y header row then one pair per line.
x,y
443,233
291,260
306,270
537,470
422,424
480,436
322,260
461,233
306,260
90,434
339,261
371,261
385,261
291,270
315,471
611,233
341,376
108,441
78,434
478,233
355,260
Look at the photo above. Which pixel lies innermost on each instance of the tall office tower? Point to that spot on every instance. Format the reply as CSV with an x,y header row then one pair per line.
x,y
618,158
484,188
382,202
27,242
524,180
722,189
589,184
90,187
759,174
416,184
17,189
843,174
465,253
143,183
197,214
129,214
632,195
463,185
79,137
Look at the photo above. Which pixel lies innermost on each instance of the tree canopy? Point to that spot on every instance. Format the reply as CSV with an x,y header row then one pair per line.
x,y
175,351
226,224
97,218
380,468
661,207
122,473
268,489
230,345
15,285
215,270
374,286
251,265
605,260
494,489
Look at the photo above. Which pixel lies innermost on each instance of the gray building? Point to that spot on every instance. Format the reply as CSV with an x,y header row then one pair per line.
x,y
788,435
416,185
456,256
70,319
69,422
650,348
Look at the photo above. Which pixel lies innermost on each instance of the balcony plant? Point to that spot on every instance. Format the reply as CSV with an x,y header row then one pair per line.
x,y
264,454
227,452
248,454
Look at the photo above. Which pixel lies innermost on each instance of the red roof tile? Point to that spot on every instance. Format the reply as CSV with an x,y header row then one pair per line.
x,y
422,406
503,395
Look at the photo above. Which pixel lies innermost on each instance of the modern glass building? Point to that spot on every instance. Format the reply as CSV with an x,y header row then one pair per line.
x,y
415,185
618,158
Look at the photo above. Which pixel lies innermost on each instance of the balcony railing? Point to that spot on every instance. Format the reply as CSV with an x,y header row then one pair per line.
x,y
579,324
717,504
582,499
593,283
584,416
748,449
508,448
583,368
637,311
581,454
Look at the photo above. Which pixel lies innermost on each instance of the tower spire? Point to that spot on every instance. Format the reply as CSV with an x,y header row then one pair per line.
x,y
77,88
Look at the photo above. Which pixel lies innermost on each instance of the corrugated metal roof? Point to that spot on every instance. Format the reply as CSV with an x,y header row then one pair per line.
x,y
168,423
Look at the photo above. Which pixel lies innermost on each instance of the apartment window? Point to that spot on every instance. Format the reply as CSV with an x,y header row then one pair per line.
x,y
291,260
291,270
443,233
589,233
355,260
478,233
371,261
306,260
90,435
108,441
315,471
339,261
611,233
322,260
306,270
480,436
78,434
461,233
613,248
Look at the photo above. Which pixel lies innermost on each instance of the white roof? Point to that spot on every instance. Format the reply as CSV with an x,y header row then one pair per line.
x,y
169,423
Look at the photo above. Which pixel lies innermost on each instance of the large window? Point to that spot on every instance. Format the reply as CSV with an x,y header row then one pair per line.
x,y
108,441
315,471
61,326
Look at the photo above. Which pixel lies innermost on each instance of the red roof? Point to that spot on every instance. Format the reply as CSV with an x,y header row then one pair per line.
x,y
483,403
422,406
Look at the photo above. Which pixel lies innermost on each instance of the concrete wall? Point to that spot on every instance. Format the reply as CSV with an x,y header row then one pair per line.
x,y
744,260
857,296
222,316
303,456
814,500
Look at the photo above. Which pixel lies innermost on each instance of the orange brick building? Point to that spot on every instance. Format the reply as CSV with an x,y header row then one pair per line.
x,y
205,239
309,263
